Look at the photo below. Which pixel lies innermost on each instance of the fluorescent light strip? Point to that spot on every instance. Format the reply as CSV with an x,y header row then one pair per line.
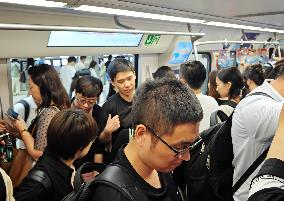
x,y
89,29
245,27
112,11
42,3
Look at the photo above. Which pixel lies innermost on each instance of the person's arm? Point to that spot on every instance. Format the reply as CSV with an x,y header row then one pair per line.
x,y
27,138
112,125
269,182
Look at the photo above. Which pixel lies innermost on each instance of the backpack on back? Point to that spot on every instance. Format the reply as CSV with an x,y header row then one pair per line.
x,y
114,176
27,108
208,175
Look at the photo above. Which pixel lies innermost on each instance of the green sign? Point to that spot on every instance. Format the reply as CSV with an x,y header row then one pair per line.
x,y
152,39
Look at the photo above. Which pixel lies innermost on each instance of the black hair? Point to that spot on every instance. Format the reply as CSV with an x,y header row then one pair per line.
x,y
71,59
82,57
50,86
234,76
193,73
254,73
171,103
164,72
119,65
70,131
89,86
93,64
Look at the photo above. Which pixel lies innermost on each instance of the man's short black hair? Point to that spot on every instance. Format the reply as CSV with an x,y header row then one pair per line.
x,y
71,59
164,72
70,131
193,73
163,104
119,65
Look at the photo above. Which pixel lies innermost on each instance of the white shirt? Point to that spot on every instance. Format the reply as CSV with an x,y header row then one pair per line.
x,y
209,105
20,109
79,66
66,74
254,124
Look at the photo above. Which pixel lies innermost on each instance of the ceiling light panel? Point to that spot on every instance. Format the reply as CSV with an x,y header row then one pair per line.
x,y
128,13
42,3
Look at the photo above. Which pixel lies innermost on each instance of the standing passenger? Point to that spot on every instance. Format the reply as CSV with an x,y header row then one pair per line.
x,y
69,137
165,127
50,97
229,84
67,72
116,112
253,127
194,74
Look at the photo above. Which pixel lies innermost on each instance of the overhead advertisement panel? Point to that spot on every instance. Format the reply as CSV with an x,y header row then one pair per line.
x,y
93,39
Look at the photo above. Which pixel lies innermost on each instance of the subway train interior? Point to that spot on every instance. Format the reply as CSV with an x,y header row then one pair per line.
x,y
150,34
160,33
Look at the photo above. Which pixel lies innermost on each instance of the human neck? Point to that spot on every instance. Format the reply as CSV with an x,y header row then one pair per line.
x,y
69,163
278,85
196,91
149,174
127,98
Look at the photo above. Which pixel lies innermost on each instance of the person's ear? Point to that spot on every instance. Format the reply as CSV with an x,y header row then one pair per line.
x,y
140,134
229,85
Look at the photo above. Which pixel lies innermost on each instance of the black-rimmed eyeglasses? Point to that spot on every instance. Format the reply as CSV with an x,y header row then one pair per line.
x,y
180,152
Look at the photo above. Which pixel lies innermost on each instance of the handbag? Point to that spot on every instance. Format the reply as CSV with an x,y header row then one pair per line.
x,y
22,162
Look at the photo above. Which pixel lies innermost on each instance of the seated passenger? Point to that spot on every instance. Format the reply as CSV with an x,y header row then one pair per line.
x,y
165,126
69,137
194,74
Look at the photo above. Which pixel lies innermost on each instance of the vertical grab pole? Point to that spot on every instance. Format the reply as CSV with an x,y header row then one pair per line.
x,y
195,51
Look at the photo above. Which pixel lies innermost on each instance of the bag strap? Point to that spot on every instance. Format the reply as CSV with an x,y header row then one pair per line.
x,y
27,108
249,171
260,94
78,181
258,161
119,178
41,177
3,194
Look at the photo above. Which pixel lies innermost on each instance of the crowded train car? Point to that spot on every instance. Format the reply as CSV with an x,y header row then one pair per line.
x,y
178,98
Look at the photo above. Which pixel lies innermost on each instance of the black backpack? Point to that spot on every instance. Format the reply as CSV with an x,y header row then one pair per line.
x,y
114,176
209,173
27,108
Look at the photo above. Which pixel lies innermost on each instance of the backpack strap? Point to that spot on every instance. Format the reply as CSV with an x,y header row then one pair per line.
x,y
249,171
214,118
27,108
119,178
260,94
3,194
78,181
41,177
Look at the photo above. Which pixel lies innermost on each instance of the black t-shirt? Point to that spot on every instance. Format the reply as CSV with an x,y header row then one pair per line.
x,y
97,147
168,191
60,175
116,105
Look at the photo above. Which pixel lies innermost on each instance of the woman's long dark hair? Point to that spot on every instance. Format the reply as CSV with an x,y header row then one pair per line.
x,y
50,86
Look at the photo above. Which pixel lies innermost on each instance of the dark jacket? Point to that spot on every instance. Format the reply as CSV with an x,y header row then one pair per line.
x,y
60,176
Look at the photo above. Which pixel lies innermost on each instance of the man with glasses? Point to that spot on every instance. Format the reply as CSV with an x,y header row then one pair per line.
x,y
165,127
116,112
